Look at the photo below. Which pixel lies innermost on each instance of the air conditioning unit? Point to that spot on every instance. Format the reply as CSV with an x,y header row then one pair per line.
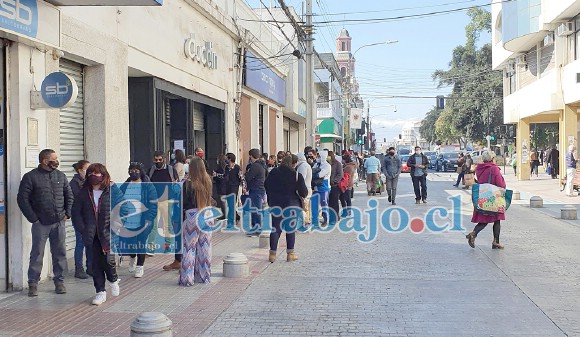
x,y
566,29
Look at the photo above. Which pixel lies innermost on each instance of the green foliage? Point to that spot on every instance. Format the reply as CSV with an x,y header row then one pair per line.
x,y
475,105
427,128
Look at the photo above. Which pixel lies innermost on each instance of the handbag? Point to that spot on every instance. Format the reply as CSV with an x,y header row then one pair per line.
x,y
489,199
468,179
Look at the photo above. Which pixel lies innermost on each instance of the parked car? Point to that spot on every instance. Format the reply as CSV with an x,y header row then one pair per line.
x,y
476,157
404,167
447,161
432,155
404,152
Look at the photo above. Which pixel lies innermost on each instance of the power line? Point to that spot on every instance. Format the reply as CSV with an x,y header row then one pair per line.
x,y
400,9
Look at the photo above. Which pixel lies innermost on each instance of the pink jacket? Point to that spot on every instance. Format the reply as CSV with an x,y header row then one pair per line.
x,y
482,172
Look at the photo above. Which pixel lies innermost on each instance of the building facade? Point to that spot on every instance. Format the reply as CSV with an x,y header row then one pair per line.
x,y
535,43
328,89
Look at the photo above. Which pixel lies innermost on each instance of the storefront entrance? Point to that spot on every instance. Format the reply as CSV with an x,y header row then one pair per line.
x,y
3,229
166,117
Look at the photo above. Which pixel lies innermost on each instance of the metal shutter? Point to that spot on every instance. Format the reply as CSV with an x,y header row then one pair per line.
x,y
72,136
198,119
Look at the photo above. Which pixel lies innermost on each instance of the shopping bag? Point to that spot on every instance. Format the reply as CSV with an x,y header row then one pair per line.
x,y
489,199
468,179
459,169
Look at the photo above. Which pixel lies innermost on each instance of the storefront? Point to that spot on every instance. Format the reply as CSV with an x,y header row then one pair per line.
x,y
263,99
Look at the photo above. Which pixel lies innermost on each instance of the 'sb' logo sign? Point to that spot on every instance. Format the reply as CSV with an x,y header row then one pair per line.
x,y
59,90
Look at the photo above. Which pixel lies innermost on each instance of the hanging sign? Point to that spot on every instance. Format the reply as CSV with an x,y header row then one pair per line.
x,y
59,90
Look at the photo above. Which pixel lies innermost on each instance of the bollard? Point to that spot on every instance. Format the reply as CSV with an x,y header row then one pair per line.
x,y
516,195
236,266
264,240
569,212
152,324
536,202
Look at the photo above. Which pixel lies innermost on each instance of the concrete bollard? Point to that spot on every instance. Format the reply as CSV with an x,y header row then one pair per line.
x,y
569,212
536,202
236,266
264,240
152,324
516,195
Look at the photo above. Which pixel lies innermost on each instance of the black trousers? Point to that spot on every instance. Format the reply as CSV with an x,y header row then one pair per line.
x,y
496,229
420,191
140,259
333,199
103,267
345,200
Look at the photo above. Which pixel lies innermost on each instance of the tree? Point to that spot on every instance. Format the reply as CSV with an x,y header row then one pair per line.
x,y
427,128
475,105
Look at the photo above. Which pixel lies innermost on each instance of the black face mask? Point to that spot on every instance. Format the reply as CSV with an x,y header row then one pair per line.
x,y
159,165
134,175
95,180
392,153
53,164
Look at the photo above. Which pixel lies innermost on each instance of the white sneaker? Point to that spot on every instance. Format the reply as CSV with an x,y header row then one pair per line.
x,y
139,270
100,298
115,288
132,264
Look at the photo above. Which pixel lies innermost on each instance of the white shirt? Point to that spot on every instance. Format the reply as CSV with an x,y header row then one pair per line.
x,y
97,197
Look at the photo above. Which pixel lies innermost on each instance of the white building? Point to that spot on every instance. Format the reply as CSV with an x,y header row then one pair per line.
x,y
536,43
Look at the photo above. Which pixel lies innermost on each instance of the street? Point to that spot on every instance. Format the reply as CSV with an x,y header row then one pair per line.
x,y
405,284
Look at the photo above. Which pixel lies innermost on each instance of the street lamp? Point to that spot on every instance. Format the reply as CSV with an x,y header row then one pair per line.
x,y
374,44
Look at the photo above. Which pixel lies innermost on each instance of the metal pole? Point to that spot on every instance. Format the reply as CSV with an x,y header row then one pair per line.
x,y
311,119
368,142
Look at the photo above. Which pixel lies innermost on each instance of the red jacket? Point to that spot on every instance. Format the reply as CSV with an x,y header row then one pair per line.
x,y
482,172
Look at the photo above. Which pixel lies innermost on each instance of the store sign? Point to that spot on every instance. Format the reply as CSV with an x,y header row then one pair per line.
x,y
20,16
201,52
259,77
59,90
106,2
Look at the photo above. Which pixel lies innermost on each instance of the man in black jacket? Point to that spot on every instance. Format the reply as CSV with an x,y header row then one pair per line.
x,y
45,199
255,177
418,163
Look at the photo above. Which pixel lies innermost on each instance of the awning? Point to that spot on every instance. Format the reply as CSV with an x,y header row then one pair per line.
x,y
329,135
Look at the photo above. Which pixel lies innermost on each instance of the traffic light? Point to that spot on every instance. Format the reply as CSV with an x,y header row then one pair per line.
x,y
360,140
492,137
440,102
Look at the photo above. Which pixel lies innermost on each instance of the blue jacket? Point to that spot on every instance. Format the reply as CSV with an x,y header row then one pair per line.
x,y
372,165
392,166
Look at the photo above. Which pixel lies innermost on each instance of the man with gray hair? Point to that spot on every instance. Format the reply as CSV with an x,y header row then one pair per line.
x,y
372,168
570,170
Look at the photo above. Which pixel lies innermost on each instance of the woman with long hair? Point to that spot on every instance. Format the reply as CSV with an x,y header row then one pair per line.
x,y
196,259
180,161
76,184
92,217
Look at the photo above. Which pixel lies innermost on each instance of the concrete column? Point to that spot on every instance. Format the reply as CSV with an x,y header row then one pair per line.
x,y
523,138
255,139
568,132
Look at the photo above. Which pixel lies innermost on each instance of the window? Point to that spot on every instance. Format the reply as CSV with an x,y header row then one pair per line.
x,y
343,71
343,46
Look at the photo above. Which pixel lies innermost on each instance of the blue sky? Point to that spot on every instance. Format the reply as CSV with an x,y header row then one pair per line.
x,y
401,69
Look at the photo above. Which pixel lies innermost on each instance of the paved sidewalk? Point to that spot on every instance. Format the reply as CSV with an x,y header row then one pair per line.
x,y
191,309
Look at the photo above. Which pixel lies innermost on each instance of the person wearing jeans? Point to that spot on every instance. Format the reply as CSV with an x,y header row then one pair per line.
x,y
461,166
45,199
76,184
570,170
336,173
323,172
418,163
255,177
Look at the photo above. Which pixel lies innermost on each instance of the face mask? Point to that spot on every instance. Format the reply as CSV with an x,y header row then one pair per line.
x,y
172,157
96,180
418,152
53,164
200,154
392,153
134,176
82,173
159,165
318,160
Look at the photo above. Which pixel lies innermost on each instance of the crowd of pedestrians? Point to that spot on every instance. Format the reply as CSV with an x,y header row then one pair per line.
x,y
47,200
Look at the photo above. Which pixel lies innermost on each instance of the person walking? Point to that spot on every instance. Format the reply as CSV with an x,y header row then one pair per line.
x,y
460,169
571,162
139,187
348,169
233,179
418,163
197,243
392,170
255,177
92,217
304,169
45,198
321,180
467,167
554,161
180,162
76,184
284,187
372,168
487,171
534,162
336,174
514,163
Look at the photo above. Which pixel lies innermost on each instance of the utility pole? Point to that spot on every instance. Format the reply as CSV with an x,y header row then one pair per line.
x,y
310,109
368,142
